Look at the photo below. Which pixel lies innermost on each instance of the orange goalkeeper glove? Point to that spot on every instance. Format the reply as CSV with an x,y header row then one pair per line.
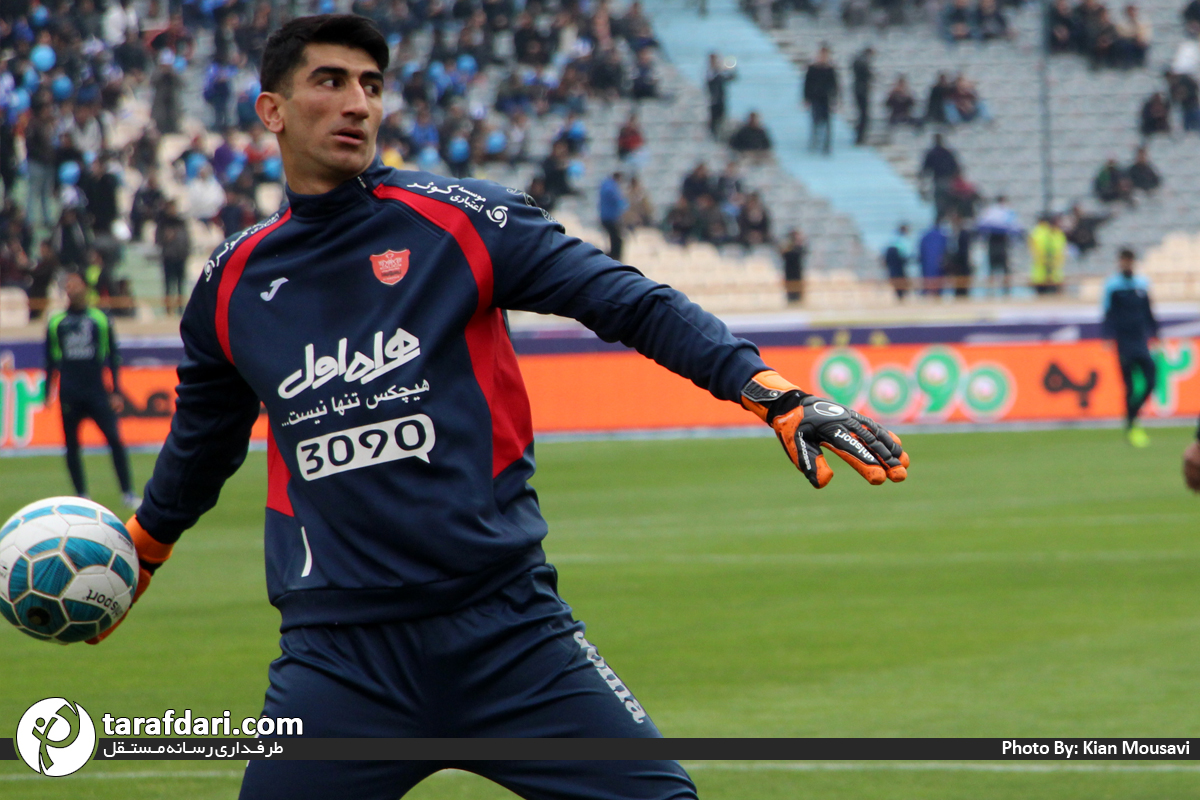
x,y
151,555
805,423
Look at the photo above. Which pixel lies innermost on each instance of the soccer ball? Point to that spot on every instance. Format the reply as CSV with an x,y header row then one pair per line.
x,y
68,569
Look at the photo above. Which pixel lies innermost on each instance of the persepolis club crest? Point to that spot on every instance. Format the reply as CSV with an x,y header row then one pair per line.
x,y
391,266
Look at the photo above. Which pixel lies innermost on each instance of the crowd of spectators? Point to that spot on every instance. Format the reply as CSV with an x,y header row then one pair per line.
x,y
1114,183
64,73
1089,29
717,209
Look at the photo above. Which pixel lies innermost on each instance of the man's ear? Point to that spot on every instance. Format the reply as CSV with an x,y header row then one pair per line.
x,y
269,107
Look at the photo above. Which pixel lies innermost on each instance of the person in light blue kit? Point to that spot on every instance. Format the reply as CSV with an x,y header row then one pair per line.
x,y
1129,321
403,540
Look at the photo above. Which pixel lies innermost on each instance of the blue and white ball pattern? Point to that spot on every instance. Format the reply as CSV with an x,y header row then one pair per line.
x,y
68,569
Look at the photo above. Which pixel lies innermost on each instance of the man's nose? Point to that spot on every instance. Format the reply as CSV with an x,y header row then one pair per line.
x,y
356,102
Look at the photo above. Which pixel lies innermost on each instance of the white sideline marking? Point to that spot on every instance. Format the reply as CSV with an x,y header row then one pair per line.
x,y
884,559
929,766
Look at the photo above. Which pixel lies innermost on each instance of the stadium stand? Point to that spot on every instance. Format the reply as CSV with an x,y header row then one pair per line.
x,y
1095,113
501,88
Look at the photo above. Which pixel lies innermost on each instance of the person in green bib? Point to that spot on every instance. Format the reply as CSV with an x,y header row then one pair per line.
x,y
80,343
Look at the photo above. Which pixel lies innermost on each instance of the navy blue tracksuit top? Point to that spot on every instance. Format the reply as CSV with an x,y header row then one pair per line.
x,y
368,320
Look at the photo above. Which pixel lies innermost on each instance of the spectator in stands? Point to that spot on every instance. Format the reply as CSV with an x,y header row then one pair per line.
x,y
932,254
224,156
167,85
218,91
574,133
712,224
100,184
1134,35
958,255
958,21
174,242
1087,18
556,172
864,75
613,206
820,96
697,183
940,166
71,239
205,197
751,139
143,153
964,195
43,273
1048,254
1186,60
1103,51
680,223
645,76
259,152
728,188
754,222
630,138
41,160
640,213
1080,229
1063,36
1184,93
716,79
1112,183
963,103
538,193
1191,13
896,256
424,132
901,104
1142,174
991,23
1156,115
793,252
608,75
998,225
939,96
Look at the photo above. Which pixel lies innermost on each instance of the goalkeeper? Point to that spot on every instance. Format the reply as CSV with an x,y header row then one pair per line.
x,y
403,540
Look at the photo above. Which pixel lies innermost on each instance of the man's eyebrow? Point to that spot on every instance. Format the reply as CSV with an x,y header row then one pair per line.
x,y
342,72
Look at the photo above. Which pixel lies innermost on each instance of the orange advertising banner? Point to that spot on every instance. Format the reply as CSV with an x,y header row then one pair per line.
x,y
959,383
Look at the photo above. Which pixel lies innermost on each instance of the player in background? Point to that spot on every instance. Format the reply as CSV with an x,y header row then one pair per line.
x,y
80,342
1129,322
403,540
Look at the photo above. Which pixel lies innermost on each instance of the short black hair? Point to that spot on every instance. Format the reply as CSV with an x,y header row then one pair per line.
x,y
285,47
1127,254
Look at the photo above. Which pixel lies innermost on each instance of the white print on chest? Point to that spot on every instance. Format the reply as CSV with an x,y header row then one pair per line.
x,y
401,348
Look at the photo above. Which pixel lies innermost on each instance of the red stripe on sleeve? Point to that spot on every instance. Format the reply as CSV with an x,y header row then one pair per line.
x,y
278,476
492,357
232,273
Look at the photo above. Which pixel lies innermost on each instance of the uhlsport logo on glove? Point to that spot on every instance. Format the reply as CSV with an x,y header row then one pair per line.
x,y
56,737
827,409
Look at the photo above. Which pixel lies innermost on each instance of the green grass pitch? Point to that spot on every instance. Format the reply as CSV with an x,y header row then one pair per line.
x,y
1019,584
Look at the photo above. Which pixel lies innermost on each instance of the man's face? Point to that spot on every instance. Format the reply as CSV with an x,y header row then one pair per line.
x,y
327,123
76,290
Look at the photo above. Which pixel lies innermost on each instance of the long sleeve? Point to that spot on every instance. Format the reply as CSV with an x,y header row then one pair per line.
x,y
539,268
210,432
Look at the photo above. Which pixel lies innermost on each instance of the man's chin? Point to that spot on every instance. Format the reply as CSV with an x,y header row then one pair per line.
x,y
349,162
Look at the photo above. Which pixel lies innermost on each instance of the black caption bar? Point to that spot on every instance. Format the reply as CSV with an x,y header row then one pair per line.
x,y
205,749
